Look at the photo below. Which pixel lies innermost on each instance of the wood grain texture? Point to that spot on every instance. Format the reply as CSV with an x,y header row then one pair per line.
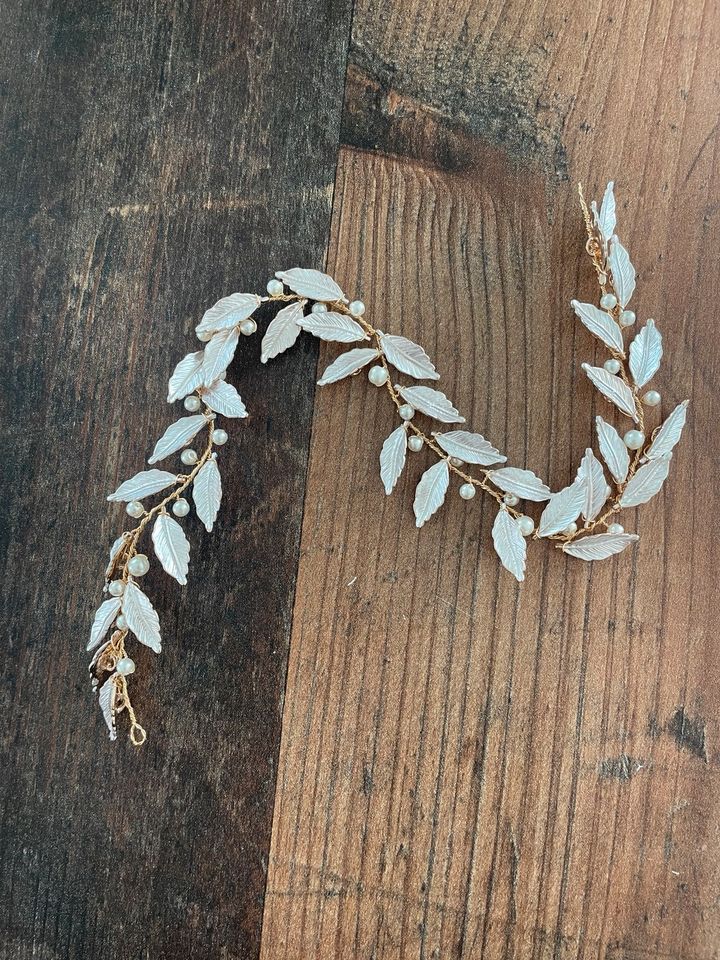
x,y
470,769
154,158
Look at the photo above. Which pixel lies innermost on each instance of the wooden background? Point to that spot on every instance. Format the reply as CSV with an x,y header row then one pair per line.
x,y
365,740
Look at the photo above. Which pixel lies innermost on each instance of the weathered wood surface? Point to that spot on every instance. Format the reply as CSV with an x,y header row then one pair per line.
x,y
467,769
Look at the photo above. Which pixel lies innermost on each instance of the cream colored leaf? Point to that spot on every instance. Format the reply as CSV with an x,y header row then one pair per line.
x,y
114,553
311,284
218,355
613,389
433,403
228,312
207,493
430,491
669,433
523,483
645,354
644,484
177,436
222,397
622,270
599,546
601,324
107,697
408,357
347,364
143,484
141,616
605,219
186,377
392,458
562,510
613,450
171,547
335,327
591,475
104,618
470,447
510,544
282,331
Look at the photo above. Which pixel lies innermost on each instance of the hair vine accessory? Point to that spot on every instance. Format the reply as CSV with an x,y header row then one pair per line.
x,y
581,518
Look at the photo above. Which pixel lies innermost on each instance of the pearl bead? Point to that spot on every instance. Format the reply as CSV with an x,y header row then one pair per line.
x,y
248,327
608,301
121,623
138,565
467,491
135,509
416,443
219,437
125,666
377,375
181,508
511,500
188,457
612,366
275,288
627,318
203,335
651,398
318,308
115,589
570,528
457,462
616,528
406,411
634,439
527,525
192,403
357,308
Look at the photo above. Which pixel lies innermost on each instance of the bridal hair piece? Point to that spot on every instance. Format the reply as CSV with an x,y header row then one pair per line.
x,y
582,519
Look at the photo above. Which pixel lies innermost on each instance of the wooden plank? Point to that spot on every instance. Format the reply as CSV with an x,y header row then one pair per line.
x,y
155,157
471,769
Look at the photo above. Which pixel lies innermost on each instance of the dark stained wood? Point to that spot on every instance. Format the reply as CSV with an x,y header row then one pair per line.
x,y
154,158
469,769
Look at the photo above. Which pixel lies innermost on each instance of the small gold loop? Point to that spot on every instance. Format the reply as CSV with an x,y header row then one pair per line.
x,y
138,736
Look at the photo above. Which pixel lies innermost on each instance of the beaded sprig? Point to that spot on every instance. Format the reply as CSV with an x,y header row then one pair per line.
x,y
582,518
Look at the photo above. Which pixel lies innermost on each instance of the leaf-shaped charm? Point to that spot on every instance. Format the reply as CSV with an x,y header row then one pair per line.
x,y
613,450
104,619
143,484
564,508
644,484
622,270
645,354
172,547
333,326
392,458
218,355
107,697
601,324
207,493
523,483
228,312
223,398
186,377
346,364
433,403
669,433
430,491
177,435
470,447
605,219
311,284
141,616
591,475
510,544
599,546
282,331
408,357
613,389
115,551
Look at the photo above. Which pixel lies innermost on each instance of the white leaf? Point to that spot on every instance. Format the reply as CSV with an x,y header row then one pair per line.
x,y
669,433
645,354
430,491
613,450
591,475
510,544
564,508
106,699
282,331
644,484
333,326
523,483
207,493
177,435
347,364
223,398
392,458
172,547
312,284
605,220
141,616
408,357
143,484
114,551
186,377
599,546
601,324
228,312
470,447
218,355
431,402
613,389
104,619
622,270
